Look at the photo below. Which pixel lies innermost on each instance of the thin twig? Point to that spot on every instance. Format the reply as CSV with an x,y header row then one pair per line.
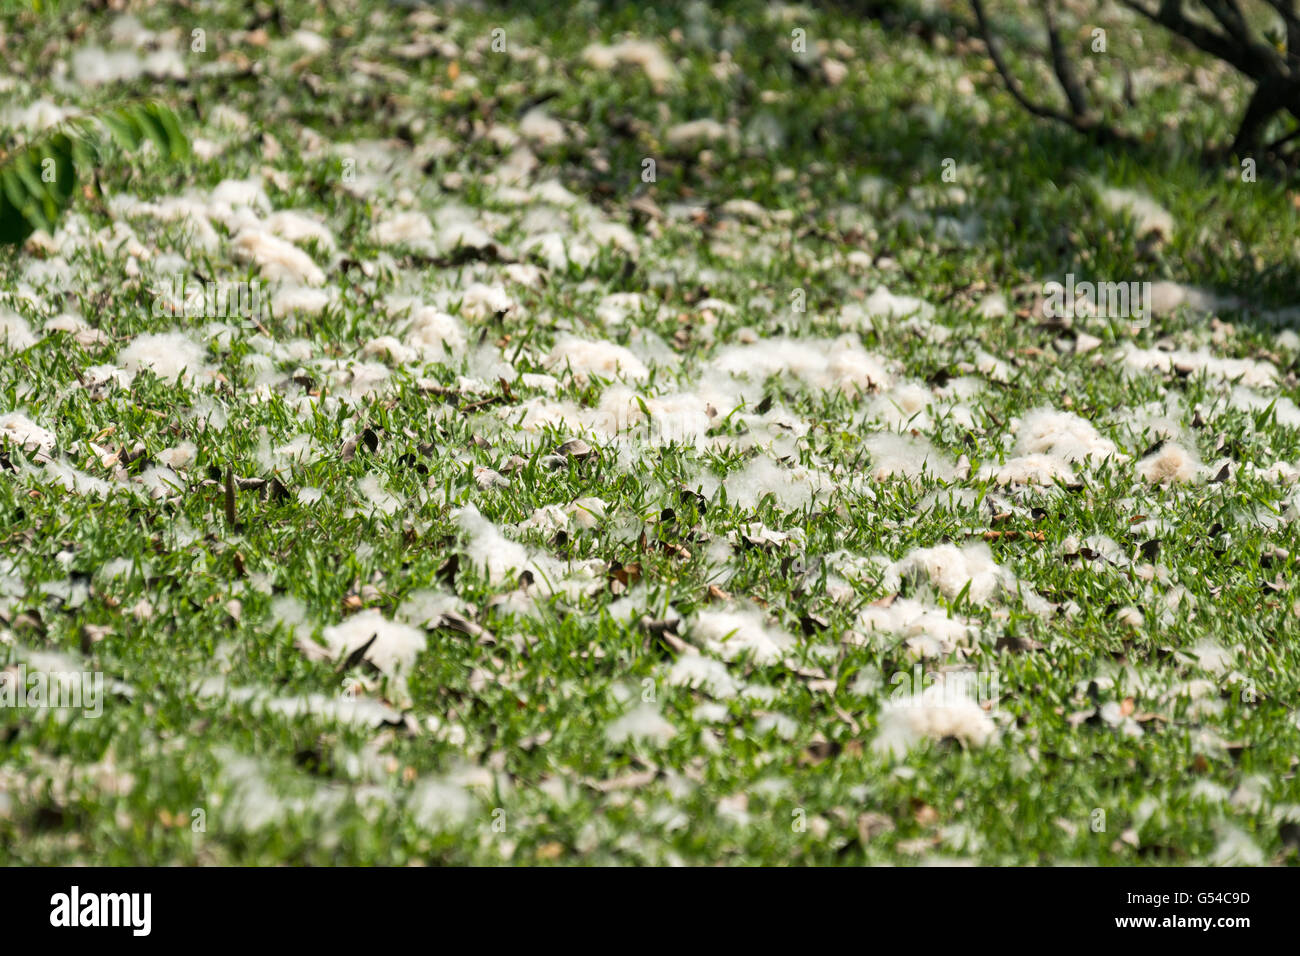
x,y
1065,74
1011,83
1079,119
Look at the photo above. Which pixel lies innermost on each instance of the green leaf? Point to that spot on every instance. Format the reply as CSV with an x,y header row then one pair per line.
x,y
14,227
59,149
39,179
30,201
122,131
13,188
24,164
177,141
154,130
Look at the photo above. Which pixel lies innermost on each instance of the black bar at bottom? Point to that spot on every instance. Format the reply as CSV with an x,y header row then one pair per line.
x,y
333,906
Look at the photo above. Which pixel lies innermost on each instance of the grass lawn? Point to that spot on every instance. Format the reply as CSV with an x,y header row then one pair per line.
x,y
655,444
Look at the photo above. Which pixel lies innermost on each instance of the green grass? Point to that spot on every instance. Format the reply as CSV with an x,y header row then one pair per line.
x,y
517,721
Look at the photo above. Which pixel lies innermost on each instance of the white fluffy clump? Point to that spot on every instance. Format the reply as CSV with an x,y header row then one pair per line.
x,y
479,300
489,549
354,379
360,711
166,354
78,328
1167,296
438,805
295,226
928,631
1285,410
503,560
26,434
248,803
585,358
792,487
913,406
643,54
1048,444
615,308
1252,372
584,513
546,520
1170,463
395,647
403,228
1063,435
992,367
587,512
1028,470
427,606
160,482
238,203
1148,216
15,333
682,417
1105,546
429,334
95,66
605,233
37,115
179,456
190,211
758,534
1213,657
277,259
1161,420
703,673
73,479
1280,472
557,250
309,42
1235,848
906,405
697,133
643,722
282,457
541,128
459,228
376,498
883,304
541,413
435,333
854,573
301,300
902,456
937,713
739,630
832,363
950,569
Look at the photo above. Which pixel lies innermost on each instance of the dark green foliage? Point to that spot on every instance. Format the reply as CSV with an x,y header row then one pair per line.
x,y
39,179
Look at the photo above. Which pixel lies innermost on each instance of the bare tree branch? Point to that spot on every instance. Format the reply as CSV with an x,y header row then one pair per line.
x,y
1079,118
1283,140
1219,28
1012,84
1170,16
1065,74
1262,107
1228,14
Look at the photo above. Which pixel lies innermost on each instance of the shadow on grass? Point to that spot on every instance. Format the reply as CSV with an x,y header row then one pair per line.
x,y
1042,220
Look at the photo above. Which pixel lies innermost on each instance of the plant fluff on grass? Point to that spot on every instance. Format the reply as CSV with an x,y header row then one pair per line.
x,y
650,445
